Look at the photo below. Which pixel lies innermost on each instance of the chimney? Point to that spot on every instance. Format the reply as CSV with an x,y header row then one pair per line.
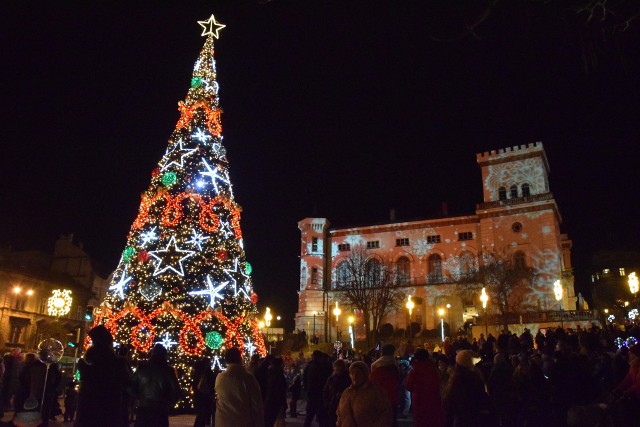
x,y
444,207
392,214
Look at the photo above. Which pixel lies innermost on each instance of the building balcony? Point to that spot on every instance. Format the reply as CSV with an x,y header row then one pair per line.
x,y
515,201
538,317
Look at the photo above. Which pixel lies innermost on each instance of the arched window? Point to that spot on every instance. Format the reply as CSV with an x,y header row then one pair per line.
x,y
435,268
373,273
343,274
513,191
526,190
467,265
502,193
403,272
519,260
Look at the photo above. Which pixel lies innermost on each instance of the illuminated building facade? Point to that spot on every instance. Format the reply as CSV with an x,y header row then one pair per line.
x,y
518,218
29,280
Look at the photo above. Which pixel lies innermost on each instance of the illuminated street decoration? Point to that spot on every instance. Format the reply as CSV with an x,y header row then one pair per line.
x,y
173,283
59,303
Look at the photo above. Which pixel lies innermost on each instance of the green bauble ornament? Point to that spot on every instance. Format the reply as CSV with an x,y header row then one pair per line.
x,y
128,253
169,178
196,82
213,340
248,268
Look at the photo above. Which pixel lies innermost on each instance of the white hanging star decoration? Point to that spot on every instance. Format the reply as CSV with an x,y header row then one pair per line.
x,y
148,236
211,27
119,287
217,363
187,152
201,136
236,289
172,254
211,291
249,347
167,342
225,229
197,239
213,174
211,86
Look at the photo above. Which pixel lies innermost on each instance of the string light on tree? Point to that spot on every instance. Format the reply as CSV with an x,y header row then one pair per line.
x,y
182,279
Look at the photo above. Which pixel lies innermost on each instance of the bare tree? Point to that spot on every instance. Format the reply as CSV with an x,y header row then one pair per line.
x,y
506,278
368,284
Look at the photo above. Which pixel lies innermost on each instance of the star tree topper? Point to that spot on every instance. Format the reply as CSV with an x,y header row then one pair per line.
x,y
210,27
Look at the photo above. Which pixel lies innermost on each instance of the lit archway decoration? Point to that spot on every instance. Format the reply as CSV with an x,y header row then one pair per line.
x,y
59,303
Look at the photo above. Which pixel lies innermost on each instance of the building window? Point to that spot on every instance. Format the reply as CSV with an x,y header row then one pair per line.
x,y
465,235
42,309
20,303
402,242
343,247
605,271
373,244
519,260
516,227
467,265
513,191
502,193
314,275
343,275
435,268
373,272
314,244
17,326
403,271
526,190
435,238
621,269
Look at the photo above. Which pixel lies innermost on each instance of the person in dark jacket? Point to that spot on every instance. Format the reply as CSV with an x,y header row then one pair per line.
x,y
32,385
203,392
386,374
336,384
423,381
275,402
296,390
315,377
70,402
103,380
156,387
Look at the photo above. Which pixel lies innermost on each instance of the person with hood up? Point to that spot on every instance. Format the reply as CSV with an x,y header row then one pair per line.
x,y
363,404
333,389
103,379
423,381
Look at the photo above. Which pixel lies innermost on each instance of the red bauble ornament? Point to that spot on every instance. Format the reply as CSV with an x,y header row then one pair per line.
x,y
254,298
207,261
175,290
143,256
155,172
222,255
133,284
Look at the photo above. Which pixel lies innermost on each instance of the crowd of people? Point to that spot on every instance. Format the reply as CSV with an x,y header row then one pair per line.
x,y
557,377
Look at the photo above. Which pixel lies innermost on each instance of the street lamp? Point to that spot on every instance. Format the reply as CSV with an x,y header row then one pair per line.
x,y
351,332
410,306
313,340
449,311
267,320
633,284
441,313
337,312
484,297
557,290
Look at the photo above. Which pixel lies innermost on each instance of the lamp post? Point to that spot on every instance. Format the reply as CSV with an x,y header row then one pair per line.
x,y
449,314
484,297
410,306
351,332
267,320
441,313
633,284
337,312
557,290
313,340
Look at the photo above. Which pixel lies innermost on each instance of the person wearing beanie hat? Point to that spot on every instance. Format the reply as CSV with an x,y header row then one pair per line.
x,y
466,401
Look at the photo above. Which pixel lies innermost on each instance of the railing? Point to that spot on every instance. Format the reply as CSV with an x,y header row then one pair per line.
x,y
515,201
538,317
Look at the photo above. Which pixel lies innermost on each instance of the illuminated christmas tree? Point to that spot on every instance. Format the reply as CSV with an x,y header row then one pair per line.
x,y
183,280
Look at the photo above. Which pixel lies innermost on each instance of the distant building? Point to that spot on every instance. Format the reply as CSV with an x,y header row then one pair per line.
x,y
518,217
28,280
610,282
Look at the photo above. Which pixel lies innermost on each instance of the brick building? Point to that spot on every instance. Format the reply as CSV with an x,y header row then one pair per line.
x,y
518,217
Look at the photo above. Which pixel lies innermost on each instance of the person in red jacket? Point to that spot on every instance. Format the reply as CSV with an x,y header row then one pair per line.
x,y
423,381
386,374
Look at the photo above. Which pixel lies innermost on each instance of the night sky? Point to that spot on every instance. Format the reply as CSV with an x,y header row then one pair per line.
x,y
340,109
